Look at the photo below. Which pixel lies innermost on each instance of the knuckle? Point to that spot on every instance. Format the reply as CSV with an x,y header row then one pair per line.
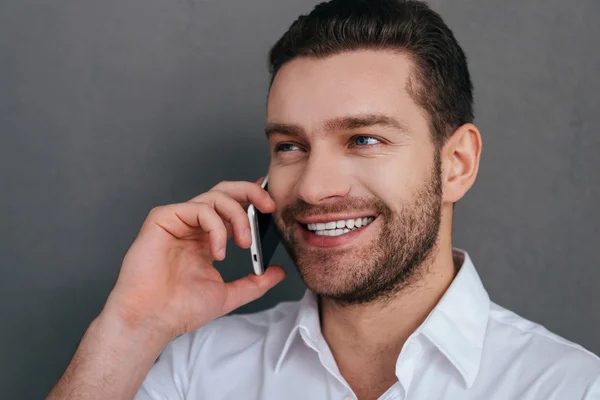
x,y
218,232
219,194
226,201
157,210
220,185
202,205
199,198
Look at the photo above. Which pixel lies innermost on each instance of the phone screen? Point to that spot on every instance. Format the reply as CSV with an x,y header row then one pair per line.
x,y
269,235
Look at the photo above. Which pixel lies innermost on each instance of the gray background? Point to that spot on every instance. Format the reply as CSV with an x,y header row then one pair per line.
x,y
108,108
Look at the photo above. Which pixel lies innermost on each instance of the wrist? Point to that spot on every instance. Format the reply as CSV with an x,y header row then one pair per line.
x,y
111,362
130,332
132,318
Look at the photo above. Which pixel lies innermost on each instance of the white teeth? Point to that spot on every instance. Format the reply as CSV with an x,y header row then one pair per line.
x,y
336,228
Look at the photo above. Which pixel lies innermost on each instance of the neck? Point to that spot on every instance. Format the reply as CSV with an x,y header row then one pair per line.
x,y
366,339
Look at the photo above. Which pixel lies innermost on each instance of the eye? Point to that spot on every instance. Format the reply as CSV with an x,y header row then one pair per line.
x,y
286,147
364,141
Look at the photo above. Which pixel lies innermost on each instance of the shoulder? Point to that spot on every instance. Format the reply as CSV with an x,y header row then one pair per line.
x,y
534,339
537,357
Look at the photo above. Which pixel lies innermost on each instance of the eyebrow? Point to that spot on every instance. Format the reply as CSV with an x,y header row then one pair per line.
x,y
346,123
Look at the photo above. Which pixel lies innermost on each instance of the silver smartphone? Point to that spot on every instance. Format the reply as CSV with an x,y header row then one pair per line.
x,y
265,236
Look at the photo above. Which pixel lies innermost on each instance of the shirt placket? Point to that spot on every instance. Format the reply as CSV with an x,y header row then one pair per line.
x,y
328,362
406,366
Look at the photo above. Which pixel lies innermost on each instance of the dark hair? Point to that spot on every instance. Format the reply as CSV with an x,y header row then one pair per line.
x,y
440,83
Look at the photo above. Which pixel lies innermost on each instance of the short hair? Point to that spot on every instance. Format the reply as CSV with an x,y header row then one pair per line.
x,y
440,82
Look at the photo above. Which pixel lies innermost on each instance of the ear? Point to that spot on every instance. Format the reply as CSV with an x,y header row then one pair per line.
x,y
460,162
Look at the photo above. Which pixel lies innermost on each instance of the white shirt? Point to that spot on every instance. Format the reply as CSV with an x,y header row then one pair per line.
x,y
467,348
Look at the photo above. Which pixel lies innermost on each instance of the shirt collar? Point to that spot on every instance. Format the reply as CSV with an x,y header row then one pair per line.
x,y
307,323
456,326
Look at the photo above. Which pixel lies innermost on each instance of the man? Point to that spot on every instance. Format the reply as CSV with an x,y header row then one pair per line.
x,y
370,126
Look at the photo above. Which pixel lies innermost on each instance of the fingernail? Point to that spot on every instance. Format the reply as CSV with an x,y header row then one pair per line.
x,y
221,253
247,234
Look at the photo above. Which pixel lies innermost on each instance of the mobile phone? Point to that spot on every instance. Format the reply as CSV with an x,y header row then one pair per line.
x,y
265,236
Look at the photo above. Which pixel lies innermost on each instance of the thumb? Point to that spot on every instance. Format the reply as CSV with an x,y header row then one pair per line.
x,y
251,287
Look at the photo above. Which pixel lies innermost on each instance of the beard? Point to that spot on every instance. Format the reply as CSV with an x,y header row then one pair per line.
x,y
381,268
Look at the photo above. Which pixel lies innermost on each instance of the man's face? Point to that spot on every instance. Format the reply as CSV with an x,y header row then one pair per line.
x,y
351,150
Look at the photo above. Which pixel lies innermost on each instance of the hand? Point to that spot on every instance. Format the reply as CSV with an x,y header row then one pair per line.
x,y
168,282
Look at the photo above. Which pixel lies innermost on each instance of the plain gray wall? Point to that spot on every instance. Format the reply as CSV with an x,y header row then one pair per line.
x,y
108,108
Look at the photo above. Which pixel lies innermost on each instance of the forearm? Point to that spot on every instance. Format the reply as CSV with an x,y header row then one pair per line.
x,y
110,363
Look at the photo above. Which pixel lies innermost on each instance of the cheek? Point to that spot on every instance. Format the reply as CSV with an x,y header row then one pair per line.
x,y
281,185
384,172
391,179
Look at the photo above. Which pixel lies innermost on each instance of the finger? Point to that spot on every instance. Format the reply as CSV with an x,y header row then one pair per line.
x,y
229,229
248,193
184,220
244,193
251,287
232,212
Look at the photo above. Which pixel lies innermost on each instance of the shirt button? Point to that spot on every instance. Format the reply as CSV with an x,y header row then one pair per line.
x,y
348,397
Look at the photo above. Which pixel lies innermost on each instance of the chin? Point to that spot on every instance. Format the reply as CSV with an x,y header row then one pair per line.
x,y
334,277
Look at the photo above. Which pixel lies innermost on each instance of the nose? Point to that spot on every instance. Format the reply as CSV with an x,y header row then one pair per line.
x,y
324,179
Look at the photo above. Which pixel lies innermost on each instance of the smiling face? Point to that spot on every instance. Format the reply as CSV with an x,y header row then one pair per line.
x,y
354,173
